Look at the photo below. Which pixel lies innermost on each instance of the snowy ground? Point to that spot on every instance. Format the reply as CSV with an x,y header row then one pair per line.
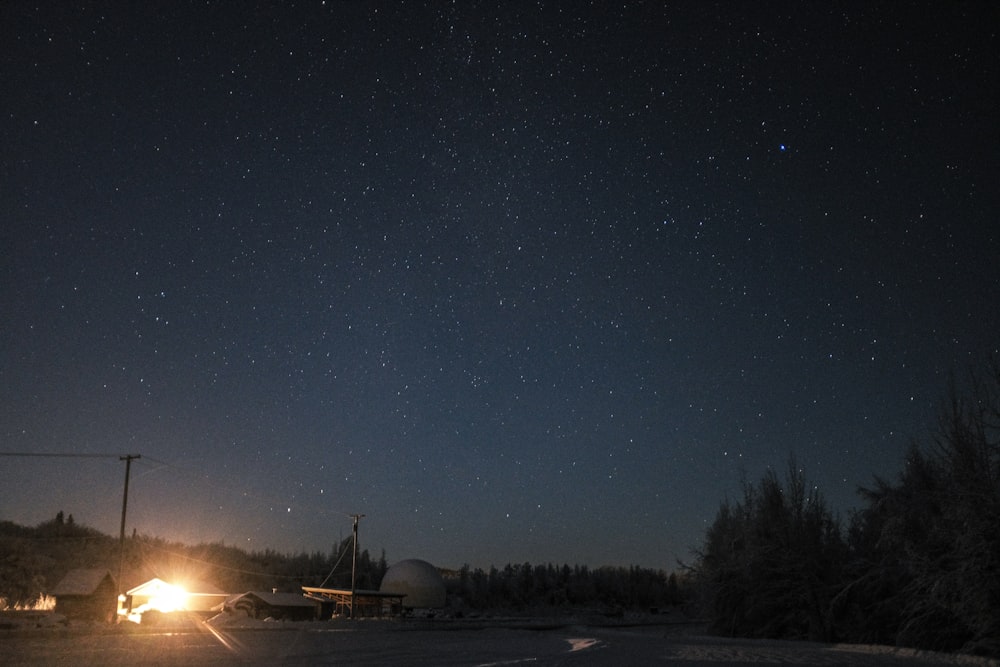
x,y
474,643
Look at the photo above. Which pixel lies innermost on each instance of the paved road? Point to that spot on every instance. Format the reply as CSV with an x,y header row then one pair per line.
x,y
313,644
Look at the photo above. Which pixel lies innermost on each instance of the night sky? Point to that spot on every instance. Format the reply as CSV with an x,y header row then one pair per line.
x,y
518,281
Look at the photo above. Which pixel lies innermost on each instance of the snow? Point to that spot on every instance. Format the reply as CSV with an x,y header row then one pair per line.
x,y
233,638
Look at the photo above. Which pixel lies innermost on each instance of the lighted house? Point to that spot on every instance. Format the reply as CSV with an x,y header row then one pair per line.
x,y
86,594
165,597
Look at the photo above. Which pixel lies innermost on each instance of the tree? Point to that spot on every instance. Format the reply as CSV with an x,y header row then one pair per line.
x,y
21,582
771,563
926,550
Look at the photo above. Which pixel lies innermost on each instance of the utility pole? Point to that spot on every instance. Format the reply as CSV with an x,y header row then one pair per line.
x,y
121,538
354,562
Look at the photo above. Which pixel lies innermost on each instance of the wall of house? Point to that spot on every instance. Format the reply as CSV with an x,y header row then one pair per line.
x,y
100,606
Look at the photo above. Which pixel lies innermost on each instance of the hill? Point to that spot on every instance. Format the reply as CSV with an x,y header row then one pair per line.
x,y
34,559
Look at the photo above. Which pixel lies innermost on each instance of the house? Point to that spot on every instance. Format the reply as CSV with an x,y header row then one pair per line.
x,y
165,597
281,606
86,594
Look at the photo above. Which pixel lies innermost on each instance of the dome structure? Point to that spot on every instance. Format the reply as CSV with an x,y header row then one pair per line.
x,y
418,580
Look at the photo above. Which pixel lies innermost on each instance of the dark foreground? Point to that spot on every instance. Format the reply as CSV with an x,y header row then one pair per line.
x,y
198,643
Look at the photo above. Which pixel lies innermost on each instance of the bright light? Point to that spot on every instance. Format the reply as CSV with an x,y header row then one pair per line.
x,y
163,597
168,598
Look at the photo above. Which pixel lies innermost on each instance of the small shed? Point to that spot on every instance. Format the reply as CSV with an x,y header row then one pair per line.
x,y
87,594
281,606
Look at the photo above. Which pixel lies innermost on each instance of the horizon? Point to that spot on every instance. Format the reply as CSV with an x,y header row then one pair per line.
x,y
373,552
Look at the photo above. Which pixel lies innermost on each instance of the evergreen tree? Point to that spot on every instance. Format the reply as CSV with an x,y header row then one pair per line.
x,y
926,550
771,563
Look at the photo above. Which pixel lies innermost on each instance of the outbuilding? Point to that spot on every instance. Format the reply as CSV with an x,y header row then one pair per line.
x,y
355,604
279,606
86,594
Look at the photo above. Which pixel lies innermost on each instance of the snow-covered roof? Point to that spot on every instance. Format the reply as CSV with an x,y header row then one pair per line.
x,y
276,599
82,581
156,585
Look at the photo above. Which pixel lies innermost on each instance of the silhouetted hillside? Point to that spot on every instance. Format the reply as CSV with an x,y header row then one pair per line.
x,y
34,559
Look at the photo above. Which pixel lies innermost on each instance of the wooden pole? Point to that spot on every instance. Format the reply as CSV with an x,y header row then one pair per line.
x,y
121,537
354,562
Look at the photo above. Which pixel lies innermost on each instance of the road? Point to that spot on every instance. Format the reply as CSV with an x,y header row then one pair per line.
x,y
314,644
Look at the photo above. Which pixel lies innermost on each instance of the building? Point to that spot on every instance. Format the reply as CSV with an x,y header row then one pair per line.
x,y
166,597
87,594
418,581
279,606
355,604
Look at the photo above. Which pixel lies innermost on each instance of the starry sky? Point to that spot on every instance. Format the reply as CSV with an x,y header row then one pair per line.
x,y
521,281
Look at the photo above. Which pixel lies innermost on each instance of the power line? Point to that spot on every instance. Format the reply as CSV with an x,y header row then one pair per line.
x,y
216,478
222,480
343,552
150,547
127,458
197,473
67,455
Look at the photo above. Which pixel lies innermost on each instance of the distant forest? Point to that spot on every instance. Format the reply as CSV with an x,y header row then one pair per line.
x,y
918,565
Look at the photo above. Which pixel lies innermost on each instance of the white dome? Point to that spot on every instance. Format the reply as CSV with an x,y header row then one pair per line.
x,y
419,580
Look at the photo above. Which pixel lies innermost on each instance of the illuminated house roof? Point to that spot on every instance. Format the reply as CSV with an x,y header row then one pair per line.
x,y
157,586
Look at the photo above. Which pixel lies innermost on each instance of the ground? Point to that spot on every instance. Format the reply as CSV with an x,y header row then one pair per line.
x,y
468,642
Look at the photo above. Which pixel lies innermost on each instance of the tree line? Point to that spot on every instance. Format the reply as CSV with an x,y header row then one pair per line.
x,y
520,587
917,566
